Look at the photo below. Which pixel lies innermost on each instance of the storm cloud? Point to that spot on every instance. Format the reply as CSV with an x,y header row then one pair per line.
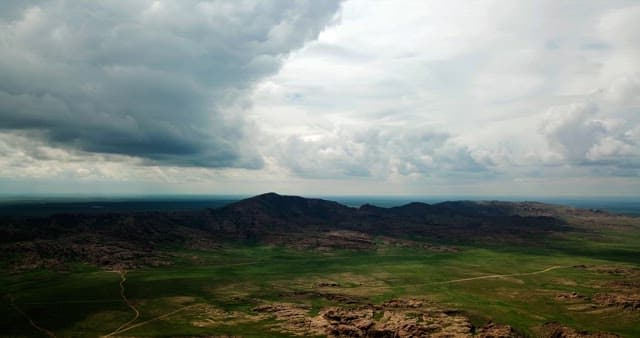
x,y
164,81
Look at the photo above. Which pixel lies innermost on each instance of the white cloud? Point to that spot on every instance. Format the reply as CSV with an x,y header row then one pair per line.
x,y
377,152
518,88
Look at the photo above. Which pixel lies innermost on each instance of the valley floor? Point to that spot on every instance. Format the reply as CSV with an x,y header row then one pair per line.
x,y
585,283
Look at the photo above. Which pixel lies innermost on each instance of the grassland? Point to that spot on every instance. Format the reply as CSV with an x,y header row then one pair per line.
x,y
214,292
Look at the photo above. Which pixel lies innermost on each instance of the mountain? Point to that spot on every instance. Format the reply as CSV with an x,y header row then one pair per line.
x,y
282,212
138,238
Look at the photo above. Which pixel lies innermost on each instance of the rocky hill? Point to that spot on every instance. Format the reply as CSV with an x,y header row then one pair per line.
x,y
138,238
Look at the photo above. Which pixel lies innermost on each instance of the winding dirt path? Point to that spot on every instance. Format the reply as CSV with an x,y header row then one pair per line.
x,y
151,320
501,276
33,323
123,279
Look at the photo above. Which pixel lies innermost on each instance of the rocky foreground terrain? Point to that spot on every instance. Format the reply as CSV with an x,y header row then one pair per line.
x,y
397,318
622,293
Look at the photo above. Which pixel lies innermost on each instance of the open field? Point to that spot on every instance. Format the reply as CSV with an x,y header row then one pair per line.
x,y
215,292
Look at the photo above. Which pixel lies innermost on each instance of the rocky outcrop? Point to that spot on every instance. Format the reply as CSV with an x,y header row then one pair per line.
x,y
395,318
624,300
323,241
56,254
492,330
556,330
622,292
570,297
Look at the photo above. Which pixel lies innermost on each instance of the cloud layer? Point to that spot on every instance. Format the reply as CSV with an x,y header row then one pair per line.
x,y
418,97
515,91
160,80
381,152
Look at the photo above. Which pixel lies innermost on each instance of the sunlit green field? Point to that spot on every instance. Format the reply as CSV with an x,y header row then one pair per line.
x,y
177,299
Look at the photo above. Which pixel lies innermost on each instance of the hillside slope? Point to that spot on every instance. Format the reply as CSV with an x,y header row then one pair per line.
x,y
132,239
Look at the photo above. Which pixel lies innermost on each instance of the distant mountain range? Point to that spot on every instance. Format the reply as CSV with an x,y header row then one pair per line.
x,y
140,238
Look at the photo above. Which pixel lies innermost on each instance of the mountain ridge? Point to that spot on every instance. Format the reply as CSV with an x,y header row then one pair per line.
x,y
131,238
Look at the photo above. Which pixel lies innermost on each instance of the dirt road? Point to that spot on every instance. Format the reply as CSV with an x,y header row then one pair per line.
x,y
33,323
501,276
123,279
151,320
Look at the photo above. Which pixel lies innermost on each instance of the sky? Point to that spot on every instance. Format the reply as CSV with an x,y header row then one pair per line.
x,y
355,97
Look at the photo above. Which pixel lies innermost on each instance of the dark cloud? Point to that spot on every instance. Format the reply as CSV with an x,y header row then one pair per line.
x,y
159,80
